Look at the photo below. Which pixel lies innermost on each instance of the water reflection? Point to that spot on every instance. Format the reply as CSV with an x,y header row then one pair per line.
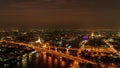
x,y
75,64
62,64
24,61
56,62
44,59
18,65
50,62
30,57
37,60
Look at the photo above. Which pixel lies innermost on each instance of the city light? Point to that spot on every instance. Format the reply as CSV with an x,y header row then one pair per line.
x,y
82,50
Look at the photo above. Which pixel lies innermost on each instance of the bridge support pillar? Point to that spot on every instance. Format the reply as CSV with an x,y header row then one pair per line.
x,y
60,58
48,48
67,51
55,49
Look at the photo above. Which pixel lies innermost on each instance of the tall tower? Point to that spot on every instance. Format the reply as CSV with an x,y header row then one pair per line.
x,y
92,35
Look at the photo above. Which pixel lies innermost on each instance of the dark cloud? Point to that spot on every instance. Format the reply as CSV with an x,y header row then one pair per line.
x,y
60,13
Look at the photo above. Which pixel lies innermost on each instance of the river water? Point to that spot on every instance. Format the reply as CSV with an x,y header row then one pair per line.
x,y
42,60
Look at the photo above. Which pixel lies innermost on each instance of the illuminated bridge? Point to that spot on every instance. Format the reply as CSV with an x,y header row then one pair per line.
x,y
67,56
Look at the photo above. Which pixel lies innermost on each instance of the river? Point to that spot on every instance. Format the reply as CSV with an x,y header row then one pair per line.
x,y
42,60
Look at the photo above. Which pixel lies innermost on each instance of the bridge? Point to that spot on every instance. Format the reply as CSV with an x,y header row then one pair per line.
x,y
67,56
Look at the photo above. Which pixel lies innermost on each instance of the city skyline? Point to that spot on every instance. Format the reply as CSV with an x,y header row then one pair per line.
x,y
60,14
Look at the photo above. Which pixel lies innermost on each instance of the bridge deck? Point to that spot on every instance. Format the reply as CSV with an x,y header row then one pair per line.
x,y
78,59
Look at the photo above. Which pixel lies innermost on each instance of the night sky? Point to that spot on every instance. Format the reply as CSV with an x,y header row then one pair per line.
x,y
80,14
